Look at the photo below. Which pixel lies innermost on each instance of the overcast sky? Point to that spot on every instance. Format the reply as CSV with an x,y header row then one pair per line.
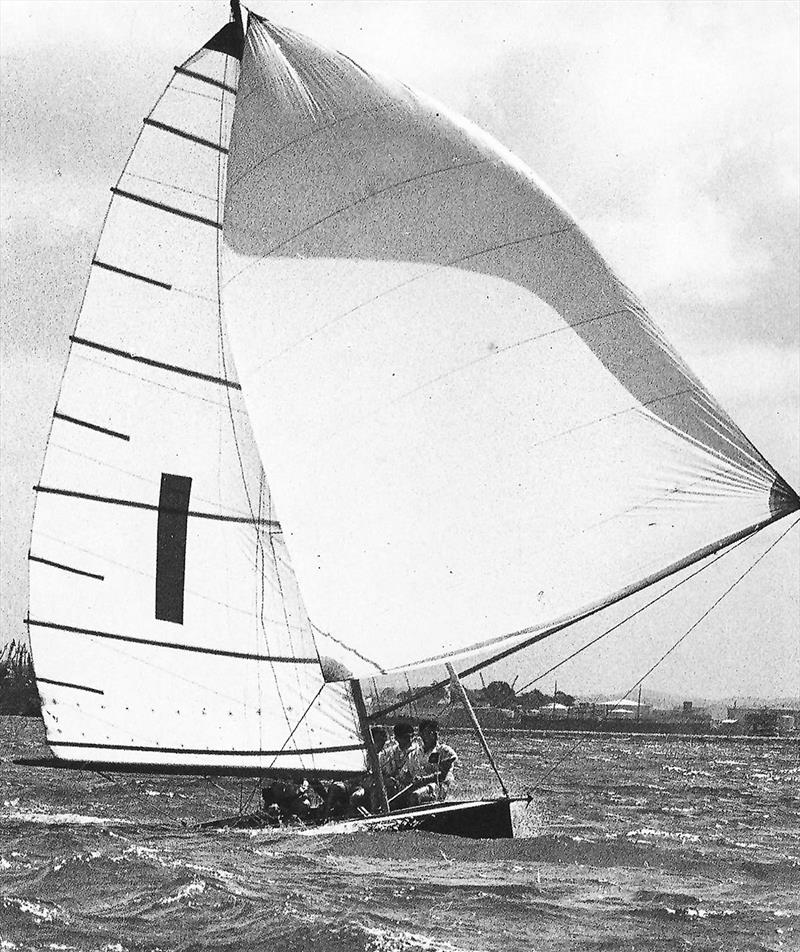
x,y
670,130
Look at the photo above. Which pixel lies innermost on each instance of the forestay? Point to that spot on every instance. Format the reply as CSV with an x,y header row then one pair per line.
x,y
472,428
166,623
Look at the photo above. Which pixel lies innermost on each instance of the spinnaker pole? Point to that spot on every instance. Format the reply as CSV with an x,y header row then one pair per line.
x,y
458,687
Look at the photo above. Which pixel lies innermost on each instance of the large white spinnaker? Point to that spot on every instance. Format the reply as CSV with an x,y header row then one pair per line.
x,y
471,426
166,625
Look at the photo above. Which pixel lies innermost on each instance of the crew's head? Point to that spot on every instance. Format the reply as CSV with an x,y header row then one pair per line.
x,y
379,737
429,732
403,734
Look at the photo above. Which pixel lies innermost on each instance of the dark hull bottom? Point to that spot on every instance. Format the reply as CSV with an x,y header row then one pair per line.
x,y
476,819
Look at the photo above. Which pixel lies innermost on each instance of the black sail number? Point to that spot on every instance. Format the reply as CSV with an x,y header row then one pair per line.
x,y
173,514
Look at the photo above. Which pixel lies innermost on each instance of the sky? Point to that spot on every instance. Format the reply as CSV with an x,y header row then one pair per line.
x,y
670,131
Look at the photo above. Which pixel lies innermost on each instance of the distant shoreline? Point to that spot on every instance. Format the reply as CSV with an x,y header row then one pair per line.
x,y
661,735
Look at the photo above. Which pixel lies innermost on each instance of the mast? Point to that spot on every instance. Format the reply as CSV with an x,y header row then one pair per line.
x,y
372,752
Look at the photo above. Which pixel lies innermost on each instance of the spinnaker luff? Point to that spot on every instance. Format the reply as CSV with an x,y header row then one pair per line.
x,y
471,428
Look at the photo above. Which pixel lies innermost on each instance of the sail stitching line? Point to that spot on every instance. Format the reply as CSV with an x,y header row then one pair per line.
x,y
309,135
668,652
116,352
153,507
171,185
197,649
422,275
434,381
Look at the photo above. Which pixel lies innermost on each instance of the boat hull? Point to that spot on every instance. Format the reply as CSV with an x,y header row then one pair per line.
x,y
475,819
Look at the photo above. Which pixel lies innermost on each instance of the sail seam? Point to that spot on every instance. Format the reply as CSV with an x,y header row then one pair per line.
x,y
153,507
66,568
68,684
201,219
204,79
185,135
185,371
90,426
215,753
281,659
131,274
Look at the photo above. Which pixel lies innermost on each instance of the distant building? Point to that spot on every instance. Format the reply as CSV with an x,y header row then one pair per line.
x,y
764,720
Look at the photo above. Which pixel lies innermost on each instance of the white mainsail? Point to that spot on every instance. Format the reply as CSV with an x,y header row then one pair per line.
x,y
166,624
472,428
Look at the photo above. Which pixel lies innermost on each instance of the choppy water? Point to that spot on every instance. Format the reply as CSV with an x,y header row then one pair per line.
x,y
639,843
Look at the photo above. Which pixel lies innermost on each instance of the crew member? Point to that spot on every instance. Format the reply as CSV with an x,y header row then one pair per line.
x,y
431,767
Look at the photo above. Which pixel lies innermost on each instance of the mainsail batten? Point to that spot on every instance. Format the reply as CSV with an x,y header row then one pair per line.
x,y
156,561
454,395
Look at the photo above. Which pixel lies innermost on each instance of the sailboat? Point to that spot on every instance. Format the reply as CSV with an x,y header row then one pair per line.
x,y
339,352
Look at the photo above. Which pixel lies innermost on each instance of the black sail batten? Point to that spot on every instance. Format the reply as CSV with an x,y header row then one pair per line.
x,y
178,769
152,643
205,752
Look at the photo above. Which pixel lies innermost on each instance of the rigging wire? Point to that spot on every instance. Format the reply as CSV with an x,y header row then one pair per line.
x,y
549,773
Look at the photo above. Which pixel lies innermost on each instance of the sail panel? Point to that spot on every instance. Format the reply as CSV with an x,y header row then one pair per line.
x,y
166,623
472,427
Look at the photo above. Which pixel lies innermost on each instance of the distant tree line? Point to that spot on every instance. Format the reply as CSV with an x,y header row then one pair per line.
x,y
18,694
497,694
